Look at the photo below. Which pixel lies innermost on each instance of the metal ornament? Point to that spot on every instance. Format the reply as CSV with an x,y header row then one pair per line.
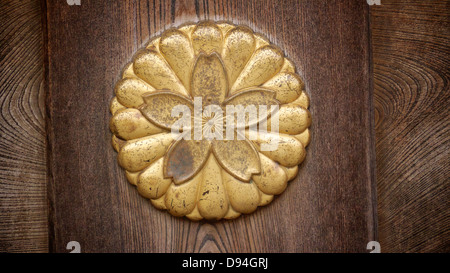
x,y
221,65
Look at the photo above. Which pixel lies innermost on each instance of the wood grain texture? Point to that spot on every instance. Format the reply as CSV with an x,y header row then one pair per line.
x,y
328,208
23,206
406,224
411,57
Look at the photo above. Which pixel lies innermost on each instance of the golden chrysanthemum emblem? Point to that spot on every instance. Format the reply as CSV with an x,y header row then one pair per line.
x,y
222,64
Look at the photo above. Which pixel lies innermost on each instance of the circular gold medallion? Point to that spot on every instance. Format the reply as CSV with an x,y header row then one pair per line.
x,y
210,121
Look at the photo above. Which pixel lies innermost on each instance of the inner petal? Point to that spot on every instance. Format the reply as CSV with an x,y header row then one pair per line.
x,y
209,80
238,157
254,105
159,106
185,159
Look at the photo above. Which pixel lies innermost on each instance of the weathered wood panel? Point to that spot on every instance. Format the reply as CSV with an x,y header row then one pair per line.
x,y
329,207
23,204
411,56
403,227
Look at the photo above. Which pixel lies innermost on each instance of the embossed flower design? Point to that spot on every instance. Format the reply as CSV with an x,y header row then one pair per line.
x,y
222,65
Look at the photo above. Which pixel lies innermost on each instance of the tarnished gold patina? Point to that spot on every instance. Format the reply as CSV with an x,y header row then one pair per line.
x,y
224,65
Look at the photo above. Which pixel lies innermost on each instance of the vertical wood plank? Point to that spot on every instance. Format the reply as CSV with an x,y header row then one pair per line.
x,y
411,83
329,207
23,204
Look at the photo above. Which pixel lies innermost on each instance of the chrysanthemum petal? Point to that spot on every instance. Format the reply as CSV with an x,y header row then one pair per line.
x,y
153,45
288,66
207,38
151,182
263,65
185,159
225,28
152,68
137,154
293,119
132,177
187,29
304,137
273,179
131,124
288,151
291,172
231,214
288,86
117,143
177,50
261,41
237,157
194,215
238,47
243,197
115,106
213,203
302,100
159,203
209,80
265,198
129,91
181,199
128,72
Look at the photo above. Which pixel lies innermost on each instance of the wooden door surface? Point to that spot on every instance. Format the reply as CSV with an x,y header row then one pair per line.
x,y
329,207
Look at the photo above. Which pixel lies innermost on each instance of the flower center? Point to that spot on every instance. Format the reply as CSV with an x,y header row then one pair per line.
x,y
209,121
